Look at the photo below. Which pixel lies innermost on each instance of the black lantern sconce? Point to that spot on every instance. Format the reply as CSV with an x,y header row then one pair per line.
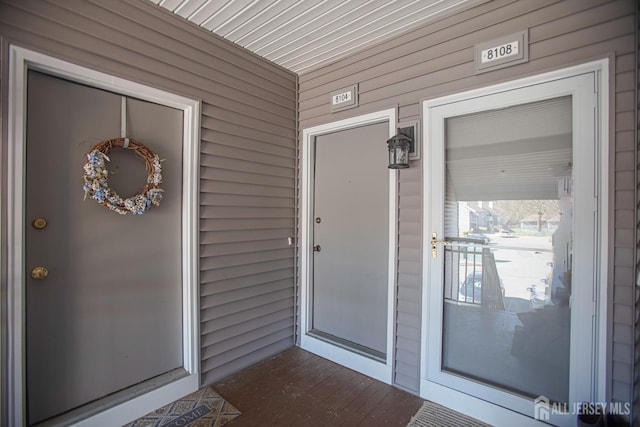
x,y
399,151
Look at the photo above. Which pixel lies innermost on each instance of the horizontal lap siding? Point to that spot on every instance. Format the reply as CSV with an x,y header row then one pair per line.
x,y
248,155
436,60
624,190
408,287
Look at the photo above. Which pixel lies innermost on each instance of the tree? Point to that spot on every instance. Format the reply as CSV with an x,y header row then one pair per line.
x,y
518,210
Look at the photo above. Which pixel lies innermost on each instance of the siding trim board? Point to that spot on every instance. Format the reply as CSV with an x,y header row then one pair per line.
x,y
630,221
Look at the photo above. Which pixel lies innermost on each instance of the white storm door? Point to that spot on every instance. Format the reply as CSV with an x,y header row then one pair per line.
x,y
510,244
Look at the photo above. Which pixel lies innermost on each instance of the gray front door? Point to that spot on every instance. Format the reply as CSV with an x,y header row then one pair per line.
x,y
108,315
351,239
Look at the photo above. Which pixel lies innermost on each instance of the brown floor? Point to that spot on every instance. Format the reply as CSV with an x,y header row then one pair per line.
x,y
297,388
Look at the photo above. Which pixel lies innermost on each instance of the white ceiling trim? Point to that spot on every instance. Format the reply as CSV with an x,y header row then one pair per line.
x,y
303,35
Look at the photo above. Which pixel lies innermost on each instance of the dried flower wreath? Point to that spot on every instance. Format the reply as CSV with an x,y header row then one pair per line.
x,y
96,178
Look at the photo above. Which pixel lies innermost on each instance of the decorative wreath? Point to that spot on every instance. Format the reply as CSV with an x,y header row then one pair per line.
x,y
96,178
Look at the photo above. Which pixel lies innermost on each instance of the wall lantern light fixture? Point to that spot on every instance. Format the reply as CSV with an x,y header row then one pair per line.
x,y
399,151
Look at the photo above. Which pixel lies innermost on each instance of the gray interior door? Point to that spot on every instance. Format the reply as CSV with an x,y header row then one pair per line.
x,y
351,238
108,315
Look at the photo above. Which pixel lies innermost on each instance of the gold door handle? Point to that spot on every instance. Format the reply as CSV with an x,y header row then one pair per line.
x,y
434,244
39,273
39,223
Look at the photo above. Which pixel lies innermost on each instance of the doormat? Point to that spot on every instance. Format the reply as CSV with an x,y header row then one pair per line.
x,y
434,415
204,408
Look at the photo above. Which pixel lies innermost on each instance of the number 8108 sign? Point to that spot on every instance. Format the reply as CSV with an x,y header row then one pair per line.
x,y
502,52
499,52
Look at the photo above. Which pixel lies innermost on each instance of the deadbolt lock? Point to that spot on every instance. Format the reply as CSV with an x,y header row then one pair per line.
x,y
318,220
316,248
39,273
39,223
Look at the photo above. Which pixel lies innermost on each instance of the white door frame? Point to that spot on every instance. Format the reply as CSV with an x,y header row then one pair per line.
x,y
20,61
481,409
382,371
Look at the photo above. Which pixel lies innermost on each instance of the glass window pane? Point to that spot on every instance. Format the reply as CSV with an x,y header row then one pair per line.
x,y
507,272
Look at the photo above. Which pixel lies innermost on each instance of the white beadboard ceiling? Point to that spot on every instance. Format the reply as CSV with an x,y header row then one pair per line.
x,y
302,35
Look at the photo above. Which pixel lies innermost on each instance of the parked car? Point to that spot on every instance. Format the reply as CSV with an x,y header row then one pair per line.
x,y
480,237
505,232
470,290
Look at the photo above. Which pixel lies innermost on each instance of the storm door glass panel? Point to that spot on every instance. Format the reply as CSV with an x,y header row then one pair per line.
x,y
507,273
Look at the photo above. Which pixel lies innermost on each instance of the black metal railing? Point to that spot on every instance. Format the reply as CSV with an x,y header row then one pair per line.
x,y
471,275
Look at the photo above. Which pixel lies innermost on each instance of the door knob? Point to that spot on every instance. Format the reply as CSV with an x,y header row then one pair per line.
x,y
316,248
39,273
39,223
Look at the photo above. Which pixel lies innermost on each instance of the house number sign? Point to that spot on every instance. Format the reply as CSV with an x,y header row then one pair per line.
x,y
344,98
499,52
502,52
